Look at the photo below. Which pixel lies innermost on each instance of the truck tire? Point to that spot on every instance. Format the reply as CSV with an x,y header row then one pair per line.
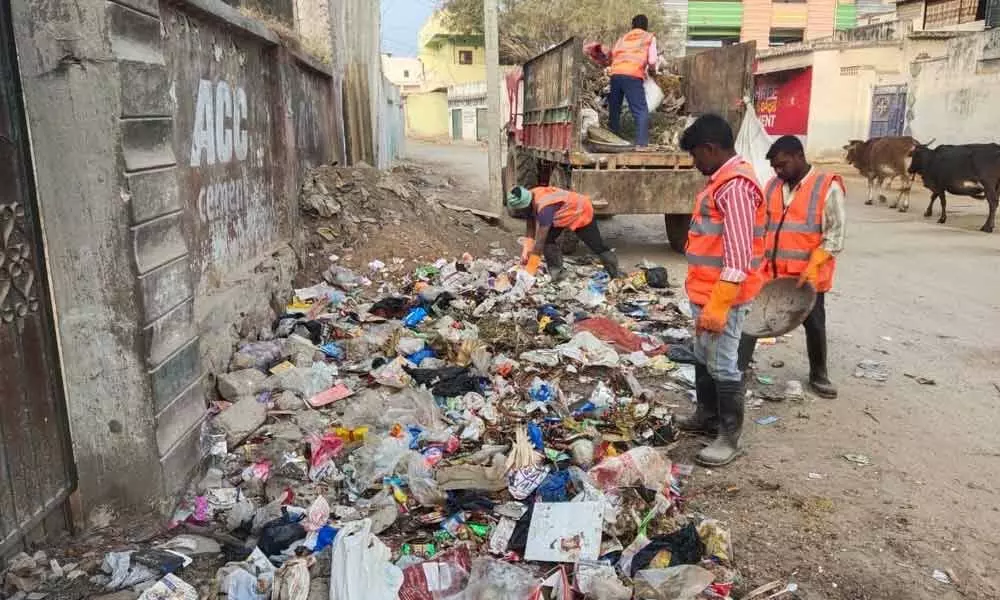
x,y
677,231
521,169
559,177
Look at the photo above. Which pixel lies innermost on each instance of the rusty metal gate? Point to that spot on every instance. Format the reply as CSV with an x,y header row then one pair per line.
x,y
888,110
36,469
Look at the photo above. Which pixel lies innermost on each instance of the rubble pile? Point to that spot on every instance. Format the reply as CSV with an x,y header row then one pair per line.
x,y
458,430
361,214
667,122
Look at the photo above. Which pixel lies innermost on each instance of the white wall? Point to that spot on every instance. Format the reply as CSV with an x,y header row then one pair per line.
x,y
954,98
843,81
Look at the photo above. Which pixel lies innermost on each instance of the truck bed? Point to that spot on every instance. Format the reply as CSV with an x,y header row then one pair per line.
x,y
712,81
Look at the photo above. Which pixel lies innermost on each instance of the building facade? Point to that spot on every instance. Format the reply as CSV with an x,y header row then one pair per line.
x,y
713,23
447,60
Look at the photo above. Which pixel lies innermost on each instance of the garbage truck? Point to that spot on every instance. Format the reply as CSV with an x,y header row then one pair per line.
x,y
547,140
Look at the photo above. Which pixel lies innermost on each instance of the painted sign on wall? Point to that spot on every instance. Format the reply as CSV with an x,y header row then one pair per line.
x,y
782,101
224,139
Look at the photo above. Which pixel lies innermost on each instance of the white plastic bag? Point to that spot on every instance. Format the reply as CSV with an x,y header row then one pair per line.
x,y
654,95
360,568
752,143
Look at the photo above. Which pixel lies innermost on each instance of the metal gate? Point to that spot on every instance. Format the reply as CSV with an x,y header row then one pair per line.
x,y
36,469
888,111
456,123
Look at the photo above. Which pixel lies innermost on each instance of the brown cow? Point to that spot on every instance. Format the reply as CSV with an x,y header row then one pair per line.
x,y
880,160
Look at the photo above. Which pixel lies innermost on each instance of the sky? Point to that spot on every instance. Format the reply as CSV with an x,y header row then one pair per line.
x,y
401,20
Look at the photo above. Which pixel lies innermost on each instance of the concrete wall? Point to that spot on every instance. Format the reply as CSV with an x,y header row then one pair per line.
x,y
953,97
403,70
843,81
427,115
170,140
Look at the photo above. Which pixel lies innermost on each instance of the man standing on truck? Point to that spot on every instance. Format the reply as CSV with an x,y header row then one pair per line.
x,y
806,227
633,55
724,252
548,212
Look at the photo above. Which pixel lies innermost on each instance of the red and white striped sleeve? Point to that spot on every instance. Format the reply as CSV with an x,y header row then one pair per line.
x,y
737,201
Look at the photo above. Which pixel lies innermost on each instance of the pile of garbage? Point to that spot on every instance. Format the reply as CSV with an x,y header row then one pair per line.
x,y
462,430
667,121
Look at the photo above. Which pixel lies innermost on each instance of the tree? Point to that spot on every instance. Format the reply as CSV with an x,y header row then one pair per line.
x,y
528,27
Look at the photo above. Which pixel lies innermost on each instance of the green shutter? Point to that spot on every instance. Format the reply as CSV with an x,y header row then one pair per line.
x,y
847,17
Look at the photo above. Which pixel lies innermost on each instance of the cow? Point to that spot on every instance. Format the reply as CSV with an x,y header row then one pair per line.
x,y
964,170
880,160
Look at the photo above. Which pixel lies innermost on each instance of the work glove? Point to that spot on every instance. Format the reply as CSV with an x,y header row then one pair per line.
x,y
716,311
533,262
527,245
817,258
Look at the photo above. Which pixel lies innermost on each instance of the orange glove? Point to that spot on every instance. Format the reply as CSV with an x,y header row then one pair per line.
x,y
716,312
533,261
527,245
817,259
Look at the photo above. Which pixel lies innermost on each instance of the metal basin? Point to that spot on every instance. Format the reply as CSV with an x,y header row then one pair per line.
x,y
780,307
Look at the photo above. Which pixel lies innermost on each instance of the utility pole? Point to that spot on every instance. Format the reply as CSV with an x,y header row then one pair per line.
x,y
491,30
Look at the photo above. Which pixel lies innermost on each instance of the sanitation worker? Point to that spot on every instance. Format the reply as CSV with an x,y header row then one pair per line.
x,y
548,212
806,230
631,58
724,252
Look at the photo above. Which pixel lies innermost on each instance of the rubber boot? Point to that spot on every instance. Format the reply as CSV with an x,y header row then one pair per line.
x,y
554,262
705,418
610,261
819,381
728,443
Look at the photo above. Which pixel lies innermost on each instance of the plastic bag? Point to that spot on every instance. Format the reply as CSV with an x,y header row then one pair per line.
x,y
439,578
248,580
491,578
360,567
753,143
639,466
615,334
421,482
292,580
277,535
588,350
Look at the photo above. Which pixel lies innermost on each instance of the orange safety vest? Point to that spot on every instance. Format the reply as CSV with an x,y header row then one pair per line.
x,y
575,210
705,246
794,232
631,54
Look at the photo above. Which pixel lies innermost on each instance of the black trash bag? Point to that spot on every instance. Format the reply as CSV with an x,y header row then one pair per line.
x,y
684,545
279,534
447,382
469,500
519,539
391,308
657,278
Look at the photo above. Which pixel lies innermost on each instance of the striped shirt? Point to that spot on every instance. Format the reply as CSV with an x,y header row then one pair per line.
x,y
737,201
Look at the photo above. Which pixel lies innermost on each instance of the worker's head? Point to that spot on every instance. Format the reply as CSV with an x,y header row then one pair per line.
x,y
640,22
710,142
518,202
788,158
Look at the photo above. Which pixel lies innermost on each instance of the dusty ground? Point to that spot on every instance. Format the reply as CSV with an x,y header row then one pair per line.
x,y
905,295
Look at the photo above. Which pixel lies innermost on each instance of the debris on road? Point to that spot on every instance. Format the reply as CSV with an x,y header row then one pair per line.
x,y
872,369
920,380
858,459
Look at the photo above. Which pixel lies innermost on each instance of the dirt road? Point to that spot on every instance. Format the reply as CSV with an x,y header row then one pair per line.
x,y
922,298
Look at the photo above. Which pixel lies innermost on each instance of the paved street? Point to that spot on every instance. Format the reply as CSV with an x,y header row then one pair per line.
x,y
922,298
